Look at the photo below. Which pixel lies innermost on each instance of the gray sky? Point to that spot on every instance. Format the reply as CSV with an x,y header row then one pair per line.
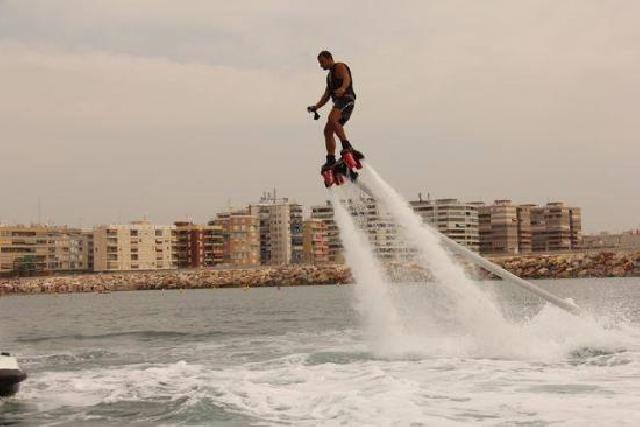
x,y
111,110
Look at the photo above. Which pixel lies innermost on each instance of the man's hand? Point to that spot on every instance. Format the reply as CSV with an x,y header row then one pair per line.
x,y
312,109
339,92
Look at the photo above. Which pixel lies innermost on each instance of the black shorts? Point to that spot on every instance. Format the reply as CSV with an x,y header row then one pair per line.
x,y
345,104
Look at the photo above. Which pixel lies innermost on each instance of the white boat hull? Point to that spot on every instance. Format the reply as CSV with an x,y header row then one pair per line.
x,y
10,375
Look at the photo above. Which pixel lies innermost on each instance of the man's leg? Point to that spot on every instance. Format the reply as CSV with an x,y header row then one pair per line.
x,y
343,115
334,119
329,141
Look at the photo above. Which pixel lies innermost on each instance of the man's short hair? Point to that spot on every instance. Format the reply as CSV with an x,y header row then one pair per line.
x,y
325,54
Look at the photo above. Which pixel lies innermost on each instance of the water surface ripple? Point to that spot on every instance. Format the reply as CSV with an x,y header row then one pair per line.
x,y
300,356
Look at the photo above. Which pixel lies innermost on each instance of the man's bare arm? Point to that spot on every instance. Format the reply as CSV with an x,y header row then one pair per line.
x,y
325,98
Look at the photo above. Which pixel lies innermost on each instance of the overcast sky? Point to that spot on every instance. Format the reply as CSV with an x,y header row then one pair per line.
x,y
111,110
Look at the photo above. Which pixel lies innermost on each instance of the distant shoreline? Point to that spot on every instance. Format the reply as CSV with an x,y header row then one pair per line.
x,y
530,267
178,279
574,265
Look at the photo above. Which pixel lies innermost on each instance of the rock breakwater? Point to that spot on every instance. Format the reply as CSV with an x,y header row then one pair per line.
x,y
180,279
604,264
578,265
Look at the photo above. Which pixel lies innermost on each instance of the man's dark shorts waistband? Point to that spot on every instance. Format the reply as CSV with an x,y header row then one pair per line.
x,y
345,104
343,101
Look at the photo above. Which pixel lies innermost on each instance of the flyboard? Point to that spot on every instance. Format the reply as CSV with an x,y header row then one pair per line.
x,y
346,169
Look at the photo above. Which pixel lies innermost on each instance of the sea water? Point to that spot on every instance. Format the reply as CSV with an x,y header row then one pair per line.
x,y
300,356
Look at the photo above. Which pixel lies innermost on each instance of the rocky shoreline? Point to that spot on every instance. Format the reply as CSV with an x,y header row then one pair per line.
x,y
180,279
606,264
576,265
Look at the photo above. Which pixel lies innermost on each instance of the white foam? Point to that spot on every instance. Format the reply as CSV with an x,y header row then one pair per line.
x,y
312,387
373,301
453,316
432,391
461,308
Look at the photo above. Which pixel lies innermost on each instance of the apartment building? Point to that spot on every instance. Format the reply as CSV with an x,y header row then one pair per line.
x,y
458,221
197,246
524,229
241,238
381,230
280,224
213,245
88,233
275,233
315,245
508,228
296,227
40,248
556,227
498,227
368,215
139,245
325,213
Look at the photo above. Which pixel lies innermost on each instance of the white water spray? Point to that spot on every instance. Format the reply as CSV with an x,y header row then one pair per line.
x,y
453,315
404,213
372,292
468,305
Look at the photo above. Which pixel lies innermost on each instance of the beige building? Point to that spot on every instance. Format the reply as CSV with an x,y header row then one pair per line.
x,y
458,221
137,246
525,230
555,227
504,227
241,238
315,245
88,233
510,229
40,249
325,213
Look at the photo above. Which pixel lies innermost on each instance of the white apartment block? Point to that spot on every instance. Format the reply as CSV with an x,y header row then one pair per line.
x,y
458,221
369,216
380,228
281,230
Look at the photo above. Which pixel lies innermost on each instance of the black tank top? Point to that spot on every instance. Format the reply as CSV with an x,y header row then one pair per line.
x,y
333,82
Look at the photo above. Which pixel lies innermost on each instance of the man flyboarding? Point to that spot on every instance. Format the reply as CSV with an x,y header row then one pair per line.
x,y
339,89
